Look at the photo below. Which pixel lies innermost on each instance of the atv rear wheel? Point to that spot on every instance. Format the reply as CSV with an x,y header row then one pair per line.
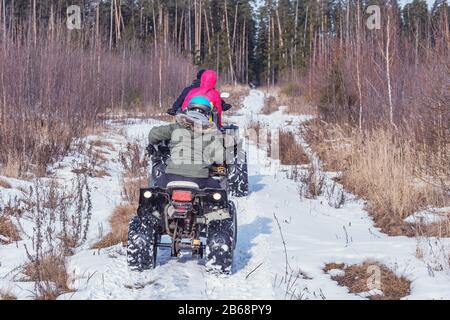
x,y
142,245
220,245
238,175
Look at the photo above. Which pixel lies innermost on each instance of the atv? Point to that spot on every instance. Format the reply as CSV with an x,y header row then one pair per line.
x,y
186,213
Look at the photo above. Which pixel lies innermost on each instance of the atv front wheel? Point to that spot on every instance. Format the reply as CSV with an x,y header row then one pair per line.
x,y
220,246
142,245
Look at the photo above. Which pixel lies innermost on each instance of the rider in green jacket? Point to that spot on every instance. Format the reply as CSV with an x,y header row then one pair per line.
x,y
195,144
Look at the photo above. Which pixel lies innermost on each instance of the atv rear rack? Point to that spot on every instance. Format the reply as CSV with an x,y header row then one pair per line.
x,y
196,249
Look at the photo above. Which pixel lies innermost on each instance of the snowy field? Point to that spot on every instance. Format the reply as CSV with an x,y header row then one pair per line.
x,y
315,232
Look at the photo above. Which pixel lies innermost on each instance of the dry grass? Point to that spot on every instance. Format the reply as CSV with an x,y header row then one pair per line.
x,y
135,172
135,176
291,153
381,168
5,184
8,230
357,278
237,94
437,229
270,105
37,130
50,274
102,144
6,295
93,164
290,95
312,183
119,226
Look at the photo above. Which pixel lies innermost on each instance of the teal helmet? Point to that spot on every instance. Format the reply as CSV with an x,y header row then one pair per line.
x,y
200,104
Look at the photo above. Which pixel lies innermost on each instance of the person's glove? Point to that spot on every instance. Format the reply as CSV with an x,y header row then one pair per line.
x,y
226,106
163,149
151,150
171,112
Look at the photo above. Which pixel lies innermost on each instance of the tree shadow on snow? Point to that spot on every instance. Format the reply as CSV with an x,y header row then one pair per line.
x,y
247,233
254,183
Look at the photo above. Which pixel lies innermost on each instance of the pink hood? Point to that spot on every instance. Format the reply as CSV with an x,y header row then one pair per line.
x,y
208,80
206,89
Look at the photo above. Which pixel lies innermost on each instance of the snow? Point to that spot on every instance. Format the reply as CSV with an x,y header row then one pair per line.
x,y
314,230
429,216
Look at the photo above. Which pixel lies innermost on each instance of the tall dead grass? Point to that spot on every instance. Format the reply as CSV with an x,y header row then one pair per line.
x,y
134,177
8,231
119,220
291,152
237,95
49,272
291,95
383,168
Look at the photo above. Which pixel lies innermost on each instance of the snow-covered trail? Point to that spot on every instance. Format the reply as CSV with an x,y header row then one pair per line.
x,y
315,233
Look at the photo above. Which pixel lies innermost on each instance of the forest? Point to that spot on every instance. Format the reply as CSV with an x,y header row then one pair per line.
x,y
359,91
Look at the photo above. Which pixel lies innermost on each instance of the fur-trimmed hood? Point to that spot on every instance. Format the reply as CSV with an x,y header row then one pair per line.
x,y
195,120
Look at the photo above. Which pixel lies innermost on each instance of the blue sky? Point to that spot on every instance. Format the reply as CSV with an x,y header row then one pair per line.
x,y
403,2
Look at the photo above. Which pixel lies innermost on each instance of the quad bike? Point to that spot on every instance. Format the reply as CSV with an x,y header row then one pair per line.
x,y
185,213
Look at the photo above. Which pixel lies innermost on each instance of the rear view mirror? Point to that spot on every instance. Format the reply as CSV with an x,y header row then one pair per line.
x,y
224,95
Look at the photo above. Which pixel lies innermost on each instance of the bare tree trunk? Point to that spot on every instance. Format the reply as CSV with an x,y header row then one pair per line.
x,y
196,41
3,17
166,29
273,46
111,25
347,30
198,30
175,29
235,25
160,79
269,54
217,53
117,19
97,25
155,29
34,23
207,32
388,67
306,27
141,17
358,56
190,26
232,74
51,23
181,30
280,31
294,55
244,71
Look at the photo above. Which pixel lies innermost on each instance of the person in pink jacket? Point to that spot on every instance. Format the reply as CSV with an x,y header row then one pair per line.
x,y
207,89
